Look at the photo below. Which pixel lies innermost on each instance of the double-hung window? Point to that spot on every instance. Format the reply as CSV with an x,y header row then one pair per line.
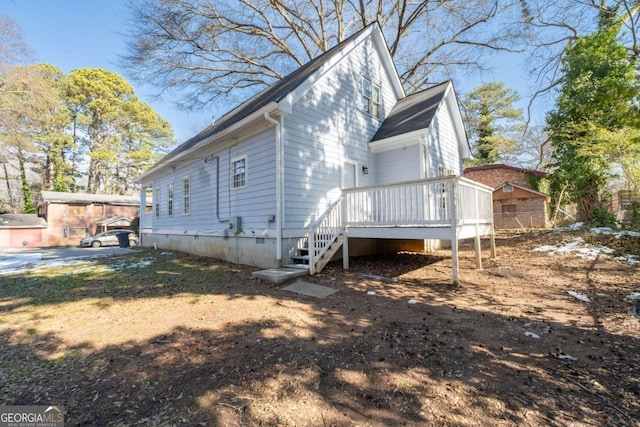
x,y
170,199
186,188
239,172
370,97
156,197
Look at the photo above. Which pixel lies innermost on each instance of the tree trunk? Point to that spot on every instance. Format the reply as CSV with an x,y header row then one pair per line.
x,y
27,206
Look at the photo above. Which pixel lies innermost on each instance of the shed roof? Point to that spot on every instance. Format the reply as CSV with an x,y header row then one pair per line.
x,y
415,112
22,221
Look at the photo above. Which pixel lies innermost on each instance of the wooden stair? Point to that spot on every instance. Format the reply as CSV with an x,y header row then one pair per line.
x,y
301,260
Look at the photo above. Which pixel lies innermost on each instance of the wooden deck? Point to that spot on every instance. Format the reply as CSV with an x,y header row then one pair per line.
x,y
447,208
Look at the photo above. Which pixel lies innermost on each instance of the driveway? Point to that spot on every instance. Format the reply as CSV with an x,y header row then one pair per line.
x,y
13,258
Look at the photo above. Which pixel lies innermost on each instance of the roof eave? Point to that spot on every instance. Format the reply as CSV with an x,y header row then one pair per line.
x,y
159,167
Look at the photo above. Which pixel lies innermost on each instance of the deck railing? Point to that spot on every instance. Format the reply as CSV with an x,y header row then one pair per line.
x,y
324,232
427,202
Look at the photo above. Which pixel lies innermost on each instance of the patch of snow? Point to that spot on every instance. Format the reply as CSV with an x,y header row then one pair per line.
x,y
583,250
579,295
629,259
532,335
144,262
616,233
412,301
572,227
371,292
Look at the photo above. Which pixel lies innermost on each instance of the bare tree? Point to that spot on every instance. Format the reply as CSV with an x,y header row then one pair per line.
x,y
13,49
204,49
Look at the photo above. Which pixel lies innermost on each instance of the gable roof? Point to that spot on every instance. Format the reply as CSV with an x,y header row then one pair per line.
x,y
87,199
507,167
412,113
279,91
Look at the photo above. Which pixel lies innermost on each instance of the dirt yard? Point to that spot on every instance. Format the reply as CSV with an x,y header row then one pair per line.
x,y
160,338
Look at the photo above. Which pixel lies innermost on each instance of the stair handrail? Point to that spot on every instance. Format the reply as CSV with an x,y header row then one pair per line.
x,y
312,230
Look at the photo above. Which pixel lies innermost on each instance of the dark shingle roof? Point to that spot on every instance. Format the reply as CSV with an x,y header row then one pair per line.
x,y
412,113
274,93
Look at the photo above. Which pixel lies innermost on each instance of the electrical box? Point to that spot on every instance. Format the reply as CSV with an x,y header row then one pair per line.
x,y
235,224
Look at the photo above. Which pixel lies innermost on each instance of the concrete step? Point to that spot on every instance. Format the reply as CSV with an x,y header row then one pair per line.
x,y
280,275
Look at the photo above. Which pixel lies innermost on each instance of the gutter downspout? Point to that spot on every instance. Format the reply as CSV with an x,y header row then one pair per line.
x,y
279,176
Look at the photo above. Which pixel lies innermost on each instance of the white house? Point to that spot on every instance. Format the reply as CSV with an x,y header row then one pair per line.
x,y
335,155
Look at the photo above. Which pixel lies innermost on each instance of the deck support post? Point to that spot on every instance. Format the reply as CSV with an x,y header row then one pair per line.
x,y
477,245
345,251
454,232
478,248
492,238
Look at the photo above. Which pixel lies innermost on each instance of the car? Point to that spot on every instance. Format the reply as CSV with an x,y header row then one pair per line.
x,y
109,238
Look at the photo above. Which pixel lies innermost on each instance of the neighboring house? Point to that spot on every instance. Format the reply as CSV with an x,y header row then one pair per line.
x,y
334,155
515,203
21,230
72,216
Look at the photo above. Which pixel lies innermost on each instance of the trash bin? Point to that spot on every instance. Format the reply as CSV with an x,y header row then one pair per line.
x,y
123,240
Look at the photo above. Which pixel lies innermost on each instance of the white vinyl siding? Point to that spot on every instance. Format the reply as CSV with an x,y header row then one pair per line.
x,y
400,164
326,126
208,214
443,144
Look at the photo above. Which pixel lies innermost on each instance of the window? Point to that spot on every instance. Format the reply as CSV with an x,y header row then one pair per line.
x,y
370,97
156,197
239,171
508,188
170,199
186,186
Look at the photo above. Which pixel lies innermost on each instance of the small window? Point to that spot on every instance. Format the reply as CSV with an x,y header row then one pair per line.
x,y
170,199
186,186
370,97
239,171
508,188
156,197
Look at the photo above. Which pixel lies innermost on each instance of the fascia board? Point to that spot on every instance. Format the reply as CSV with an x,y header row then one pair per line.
x,y
398,141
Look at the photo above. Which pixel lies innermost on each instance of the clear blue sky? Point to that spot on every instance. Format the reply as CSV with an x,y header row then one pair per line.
x,y
73,34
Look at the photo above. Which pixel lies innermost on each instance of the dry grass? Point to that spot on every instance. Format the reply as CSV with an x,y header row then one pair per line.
x,y
169,339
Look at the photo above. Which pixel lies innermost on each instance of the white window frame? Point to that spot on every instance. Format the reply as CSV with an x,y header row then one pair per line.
x,y
156,201
186,194
243,174
371,97
170,198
